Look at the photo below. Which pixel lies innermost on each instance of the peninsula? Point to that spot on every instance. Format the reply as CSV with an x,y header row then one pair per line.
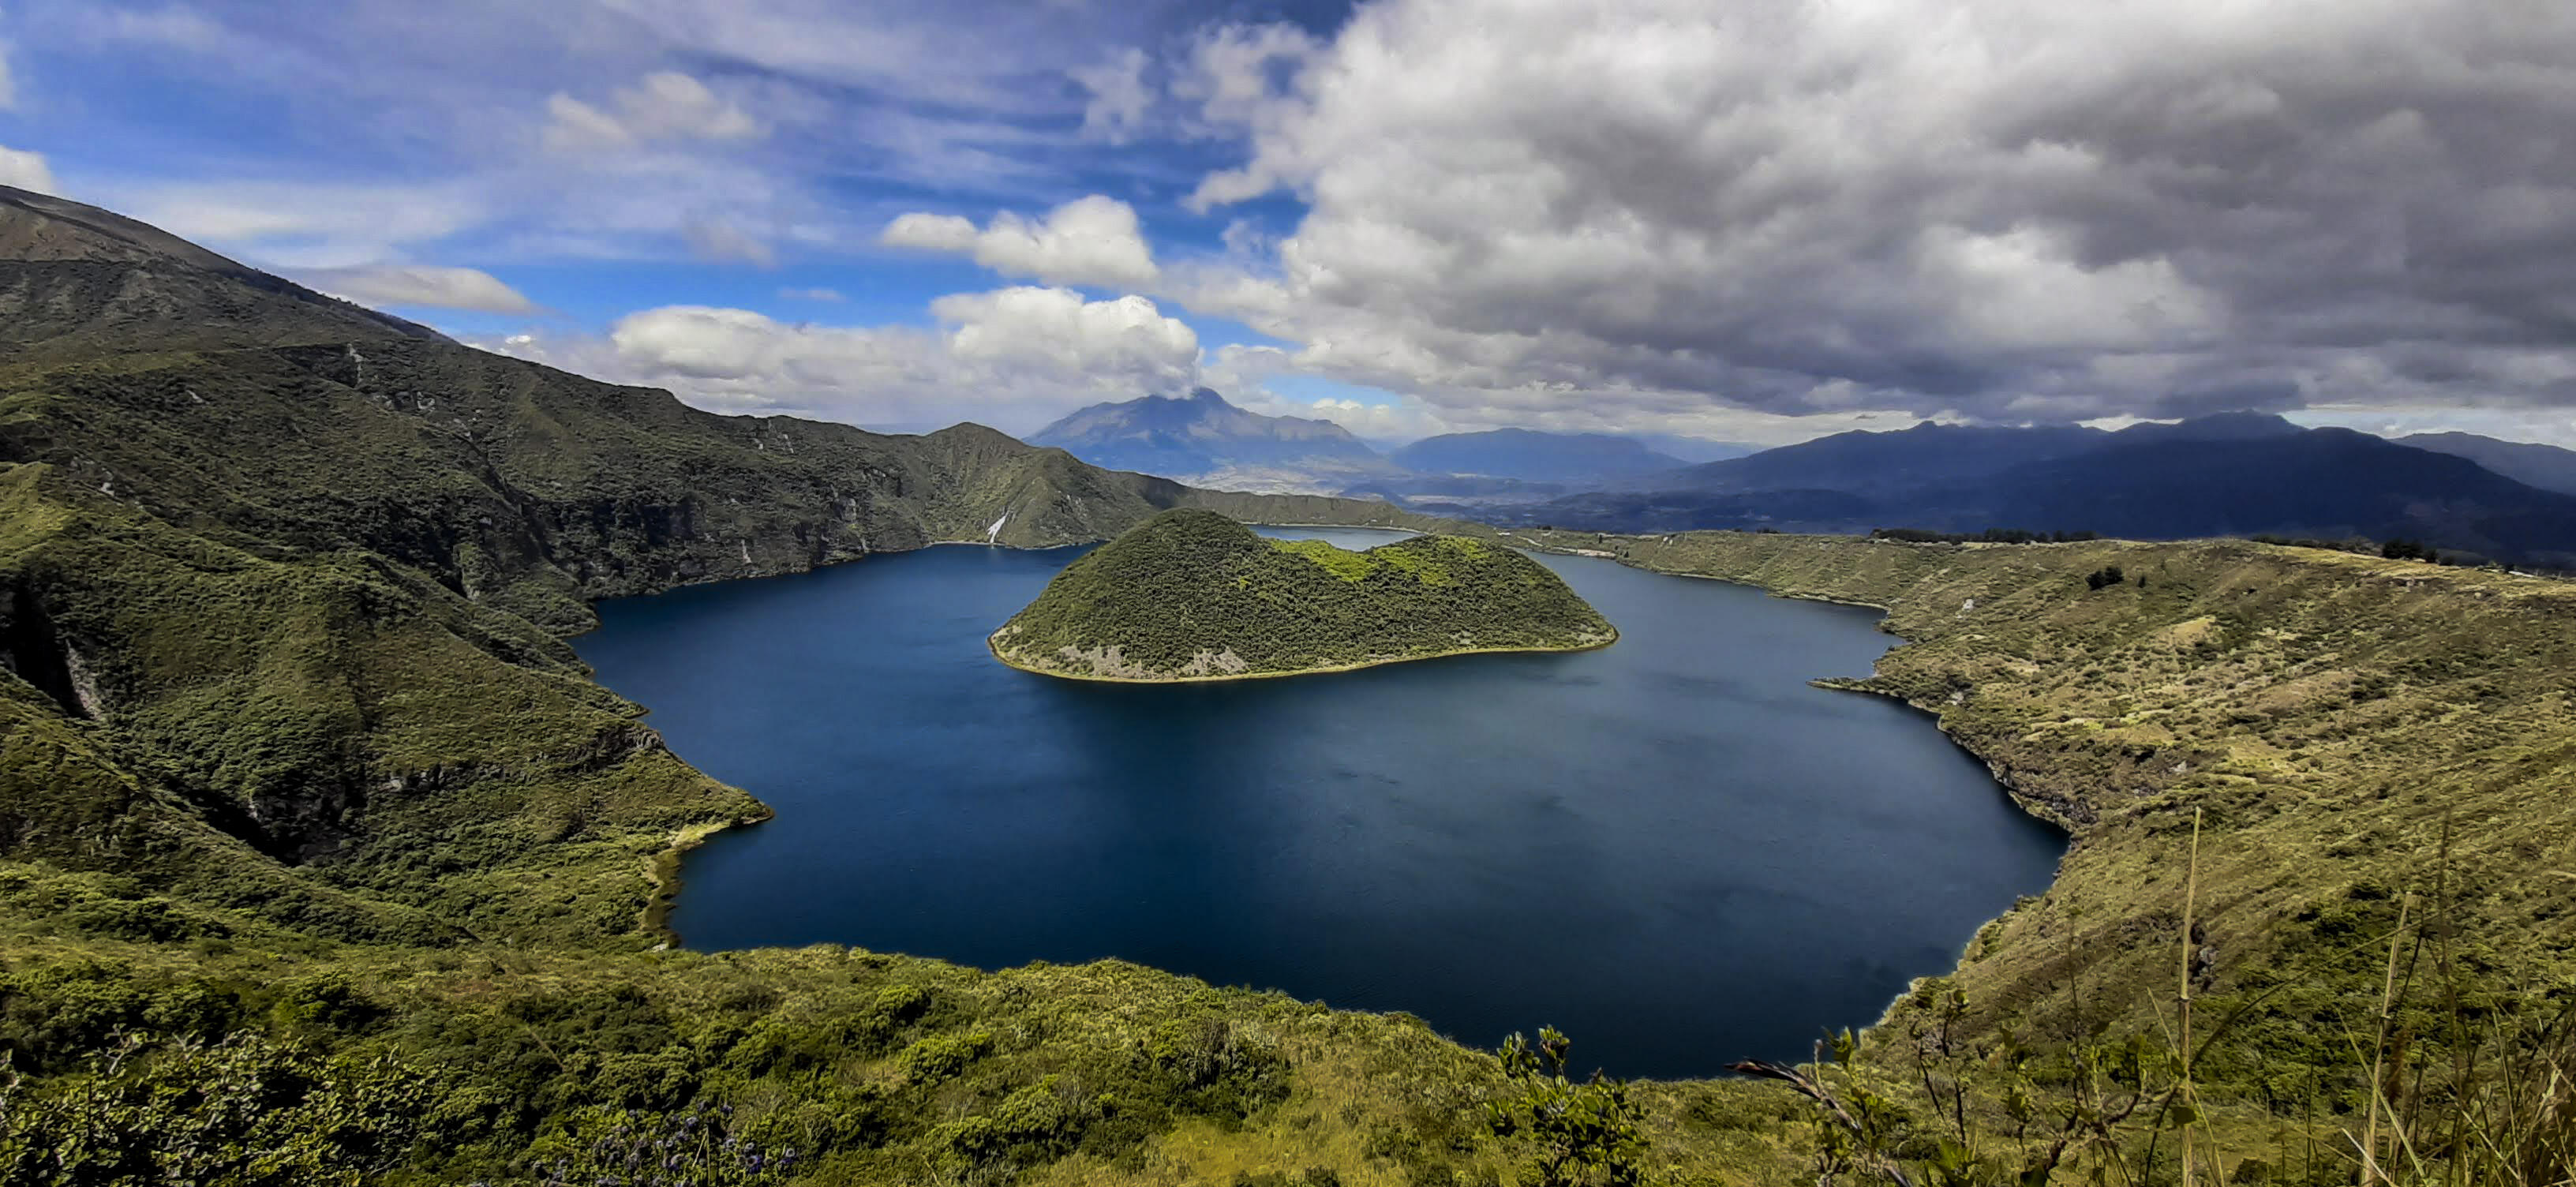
x,y
1193,595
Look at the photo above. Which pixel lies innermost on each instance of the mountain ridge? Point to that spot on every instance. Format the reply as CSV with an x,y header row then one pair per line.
x,y
1201,437
85,282
2547,467
2227,474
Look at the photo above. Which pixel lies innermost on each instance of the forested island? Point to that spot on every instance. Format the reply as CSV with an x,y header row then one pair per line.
x,y
1193,595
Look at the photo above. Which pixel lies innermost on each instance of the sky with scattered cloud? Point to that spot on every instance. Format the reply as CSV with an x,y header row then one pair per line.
x,y
1759,220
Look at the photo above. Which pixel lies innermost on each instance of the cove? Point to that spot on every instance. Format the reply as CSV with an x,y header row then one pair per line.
x,y
1674,849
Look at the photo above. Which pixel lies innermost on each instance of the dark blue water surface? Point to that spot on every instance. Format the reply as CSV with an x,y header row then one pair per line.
x,y
1674,849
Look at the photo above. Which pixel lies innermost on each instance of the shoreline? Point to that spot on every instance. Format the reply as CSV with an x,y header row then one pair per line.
x,y
662,870
1364,664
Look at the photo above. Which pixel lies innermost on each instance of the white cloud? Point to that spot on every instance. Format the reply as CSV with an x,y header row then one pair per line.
x,y
1640,209
25,170
1239,76
1126,342
666,105
419,284
1093,241
931,232
833,296
1016,358
1120,98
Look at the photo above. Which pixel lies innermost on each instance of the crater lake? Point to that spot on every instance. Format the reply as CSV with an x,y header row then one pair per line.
x,y
1673,849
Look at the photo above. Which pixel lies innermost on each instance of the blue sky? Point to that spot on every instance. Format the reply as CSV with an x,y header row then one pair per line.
x,y
1756,222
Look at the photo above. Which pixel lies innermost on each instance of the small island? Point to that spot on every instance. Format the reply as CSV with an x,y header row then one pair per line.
x,y
1193,595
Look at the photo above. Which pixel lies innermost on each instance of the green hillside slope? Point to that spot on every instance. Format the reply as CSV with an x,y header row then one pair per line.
x,y
1193,595
281,619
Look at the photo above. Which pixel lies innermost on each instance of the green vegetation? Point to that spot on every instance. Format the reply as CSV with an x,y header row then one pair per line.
x,y
2379,755
246,1059
1192,595
323,860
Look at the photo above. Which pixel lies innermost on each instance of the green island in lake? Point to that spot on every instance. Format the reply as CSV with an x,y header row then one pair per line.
x,y
1193,595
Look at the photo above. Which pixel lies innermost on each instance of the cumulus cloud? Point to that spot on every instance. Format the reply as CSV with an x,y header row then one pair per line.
x,y
666,105
1241,77
2014,209
1093,241
1126,343
25,170
419,284
1016,358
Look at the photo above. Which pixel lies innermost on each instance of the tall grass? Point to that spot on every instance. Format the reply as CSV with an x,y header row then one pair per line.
x,y
2463,1081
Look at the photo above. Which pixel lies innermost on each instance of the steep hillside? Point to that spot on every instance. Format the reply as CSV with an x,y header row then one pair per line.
x,y
1192,595
77,281
2351,732
282,617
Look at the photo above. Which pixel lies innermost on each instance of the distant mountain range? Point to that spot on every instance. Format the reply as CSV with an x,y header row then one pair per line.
x,y
2235,474
1866,461
1202,439
1533,456
2545,466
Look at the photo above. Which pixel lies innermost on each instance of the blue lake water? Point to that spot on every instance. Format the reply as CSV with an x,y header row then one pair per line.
x,y
1673,849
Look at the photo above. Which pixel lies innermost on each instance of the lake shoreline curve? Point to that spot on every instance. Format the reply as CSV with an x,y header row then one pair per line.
x,y
1234,677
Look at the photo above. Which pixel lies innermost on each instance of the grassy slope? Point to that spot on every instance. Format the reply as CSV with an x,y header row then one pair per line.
x,y
1191,594
2329,714
1105,1073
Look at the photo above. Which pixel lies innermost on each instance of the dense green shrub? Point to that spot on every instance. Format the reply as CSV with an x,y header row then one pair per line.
x,y
1191,593
235,1114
